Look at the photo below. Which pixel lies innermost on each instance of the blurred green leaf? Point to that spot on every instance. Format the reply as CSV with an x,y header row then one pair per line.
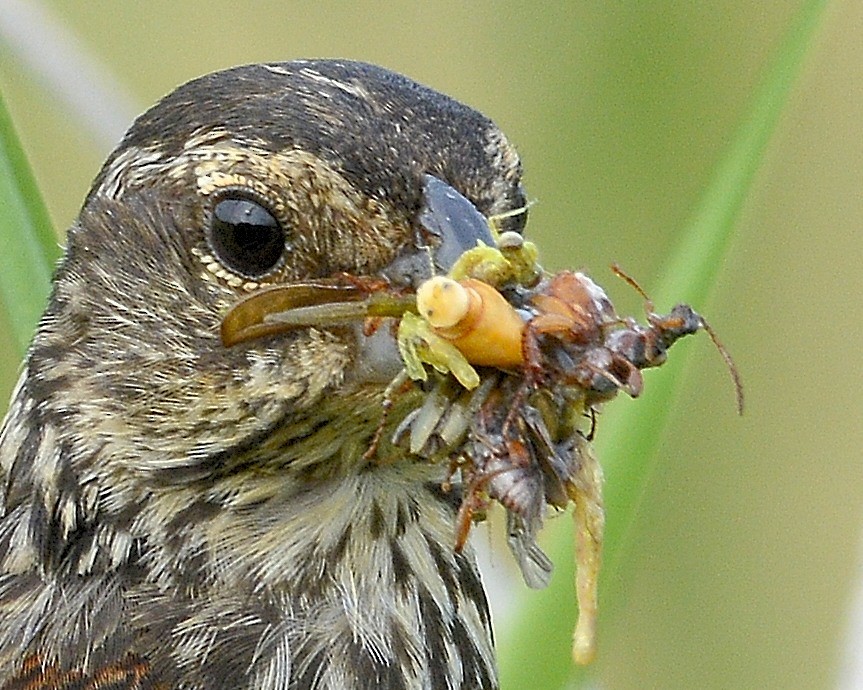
x,y
29,243
693,269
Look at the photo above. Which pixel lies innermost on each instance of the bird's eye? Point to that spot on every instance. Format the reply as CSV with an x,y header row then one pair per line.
x,y
245,236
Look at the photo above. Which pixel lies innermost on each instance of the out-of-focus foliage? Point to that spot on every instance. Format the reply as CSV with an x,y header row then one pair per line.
x,y
734,567
29,251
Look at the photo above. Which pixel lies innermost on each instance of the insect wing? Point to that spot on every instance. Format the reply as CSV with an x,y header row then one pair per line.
x,y
536,567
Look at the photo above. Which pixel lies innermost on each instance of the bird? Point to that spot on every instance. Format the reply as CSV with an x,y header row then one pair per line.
x,y
178,512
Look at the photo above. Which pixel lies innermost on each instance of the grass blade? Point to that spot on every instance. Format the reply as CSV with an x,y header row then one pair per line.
x,y
536,632
29,243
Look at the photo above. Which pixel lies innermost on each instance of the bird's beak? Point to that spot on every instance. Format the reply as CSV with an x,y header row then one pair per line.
x,y
280,308
448,225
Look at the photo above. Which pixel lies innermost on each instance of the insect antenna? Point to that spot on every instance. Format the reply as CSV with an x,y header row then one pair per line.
x,y
623,275
494,221
726,356
729,363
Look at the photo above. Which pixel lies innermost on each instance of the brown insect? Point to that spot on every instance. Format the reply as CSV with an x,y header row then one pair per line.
x,y
565,352
607,353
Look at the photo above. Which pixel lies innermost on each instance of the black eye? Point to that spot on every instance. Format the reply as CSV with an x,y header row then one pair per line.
x,y
245,236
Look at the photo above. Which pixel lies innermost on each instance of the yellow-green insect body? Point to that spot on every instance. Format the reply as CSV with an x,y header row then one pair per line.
x,y
463,320
420,345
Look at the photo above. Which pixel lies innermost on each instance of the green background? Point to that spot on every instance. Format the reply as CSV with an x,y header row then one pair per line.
x,y
740,564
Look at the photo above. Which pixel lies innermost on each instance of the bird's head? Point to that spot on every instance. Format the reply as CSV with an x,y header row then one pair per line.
x,y
236,184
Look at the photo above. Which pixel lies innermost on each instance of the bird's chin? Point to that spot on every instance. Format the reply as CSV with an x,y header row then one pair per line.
x,y
378,360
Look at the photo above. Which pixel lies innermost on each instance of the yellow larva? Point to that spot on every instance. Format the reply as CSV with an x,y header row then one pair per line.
x,y
474,317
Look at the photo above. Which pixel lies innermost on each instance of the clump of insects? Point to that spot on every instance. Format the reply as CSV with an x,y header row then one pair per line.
x,y
557,350
521,361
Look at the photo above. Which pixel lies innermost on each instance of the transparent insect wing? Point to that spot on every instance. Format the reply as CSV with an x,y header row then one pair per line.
x,y
454,220
536,567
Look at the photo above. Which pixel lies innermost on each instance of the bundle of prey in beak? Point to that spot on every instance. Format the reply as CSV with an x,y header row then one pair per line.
x,y
515,364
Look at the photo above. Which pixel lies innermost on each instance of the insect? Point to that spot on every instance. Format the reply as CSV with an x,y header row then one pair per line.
x,y
560,351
